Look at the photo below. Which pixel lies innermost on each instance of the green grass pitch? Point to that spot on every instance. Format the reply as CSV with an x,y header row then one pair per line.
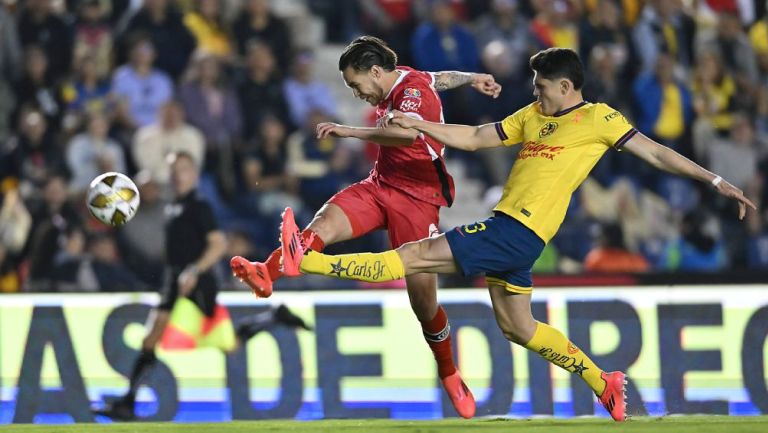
x,y
674,424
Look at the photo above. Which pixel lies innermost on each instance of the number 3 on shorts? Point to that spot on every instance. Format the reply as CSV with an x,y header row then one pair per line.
x,y
474,228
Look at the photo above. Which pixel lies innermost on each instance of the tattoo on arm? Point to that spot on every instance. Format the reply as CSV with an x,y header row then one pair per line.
x,y
446,80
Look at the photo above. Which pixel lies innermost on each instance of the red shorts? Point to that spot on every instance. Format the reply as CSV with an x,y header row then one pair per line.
x,y
370,206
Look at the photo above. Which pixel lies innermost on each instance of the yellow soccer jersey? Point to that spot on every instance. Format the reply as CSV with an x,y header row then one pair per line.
x,y
558,153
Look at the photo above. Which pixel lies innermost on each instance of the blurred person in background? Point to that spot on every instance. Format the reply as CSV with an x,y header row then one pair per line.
x,y
139,88
554,24
10,69
162,23
664,28
444,44
604,26
256,22
304,92
38,88
93,36
392,21
52,219
403,193
142,242
32,155
714,91
212,107
194,245
15,225
170,133
206,23
260,90
88,92
92,153
38,25
610,254
322,165
699,247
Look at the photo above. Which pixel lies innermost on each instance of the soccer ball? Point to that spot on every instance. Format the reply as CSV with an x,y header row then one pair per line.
x,y
113,198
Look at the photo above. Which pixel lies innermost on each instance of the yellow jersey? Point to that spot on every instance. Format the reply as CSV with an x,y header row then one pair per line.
x,y
558,153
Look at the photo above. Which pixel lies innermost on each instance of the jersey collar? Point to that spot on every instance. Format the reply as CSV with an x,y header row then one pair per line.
x,y
568,110
397,82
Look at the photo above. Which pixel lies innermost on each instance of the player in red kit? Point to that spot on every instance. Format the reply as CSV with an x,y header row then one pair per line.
x,y
403,193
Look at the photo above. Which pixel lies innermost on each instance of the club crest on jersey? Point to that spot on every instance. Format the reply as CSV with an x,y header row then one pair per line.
x,y
410,92
548,129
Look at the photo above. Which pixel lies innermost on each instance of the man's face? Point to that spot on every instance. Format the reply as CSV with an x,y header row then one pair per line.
x,y
549,93
184,175
365,84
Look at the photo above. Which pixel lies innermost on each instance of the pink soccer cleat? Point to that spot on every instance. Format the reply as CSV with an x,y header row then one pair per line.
x,y
254,274
614,397
460,395
292,244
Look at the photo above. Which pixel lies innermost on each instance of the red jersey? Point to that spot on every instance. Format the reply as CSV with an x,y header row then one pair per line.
x,y
419,169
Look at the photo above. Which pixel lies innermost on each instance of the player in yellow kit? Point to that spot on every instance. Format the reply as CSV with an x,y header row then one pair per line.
x,y
563,137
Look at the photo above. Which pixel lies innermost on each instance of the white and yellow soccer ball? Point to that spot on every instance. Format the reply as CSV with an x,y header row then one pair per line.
x,y
113,198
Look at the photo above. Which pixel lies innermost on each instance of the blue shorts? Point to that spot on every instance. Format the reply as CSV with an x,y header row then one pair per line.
x,y
501,247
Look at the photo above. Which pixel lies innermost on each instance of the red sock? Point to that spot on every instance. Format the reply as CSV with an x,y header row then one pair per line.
x,y
437,332
273,261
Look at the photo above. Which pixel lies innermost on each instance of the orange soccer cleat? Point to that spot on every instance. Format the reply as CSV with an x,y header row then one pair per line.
x,y
254,274
460,395
614,397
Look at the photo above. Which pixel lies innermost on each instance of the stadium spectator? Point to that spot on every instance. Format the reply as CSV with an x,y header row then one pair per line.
x,y
15,224
32,155
38,25
10,47
699,247
168,134
162,23
442,43
257,23
52,219
664,105
87,93
139,88
142,242
305,93
93,152
736,156
610,254
663,28
604,27
38,88
392,21
93,36
553,25
322,165
713,91
212,107
207,25
260,90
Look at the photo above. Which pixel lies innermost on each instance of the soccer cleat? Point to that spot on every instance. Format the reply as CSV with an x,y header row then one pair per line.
x,y
118,410
254,274
460,395
292,244
614,397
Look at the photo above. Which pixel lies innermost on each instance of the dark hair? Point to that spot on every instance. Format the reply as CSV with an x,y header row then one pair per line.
x,y
554,63
368,51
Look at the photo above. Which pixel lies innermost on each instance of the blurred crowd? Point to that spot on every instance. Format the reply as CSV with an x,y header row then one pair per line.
x,y
88,86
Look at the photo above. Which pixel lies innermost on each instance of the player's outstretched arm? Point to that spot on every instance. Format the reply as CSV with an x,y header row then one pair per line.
x,y
463,137
393,136
483,83
666,159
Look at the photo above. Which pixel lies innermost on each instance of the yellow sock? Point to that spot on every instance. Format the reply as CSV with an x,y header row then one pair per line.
x,y
370,267
553,346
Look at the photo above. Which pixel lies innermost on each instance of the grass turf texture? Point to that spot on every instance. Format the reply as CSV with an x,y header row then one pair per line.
x,y
674,424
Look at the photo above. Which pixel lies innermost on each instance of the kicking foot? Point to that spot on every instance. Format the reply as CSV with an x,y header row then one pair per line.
x,y
286,317
254,274
614,397
461,397
292,244
118,410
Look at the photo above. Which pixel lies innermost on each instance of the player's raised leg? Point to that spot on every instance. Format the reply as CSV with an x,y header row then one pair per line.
x,y
513,315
